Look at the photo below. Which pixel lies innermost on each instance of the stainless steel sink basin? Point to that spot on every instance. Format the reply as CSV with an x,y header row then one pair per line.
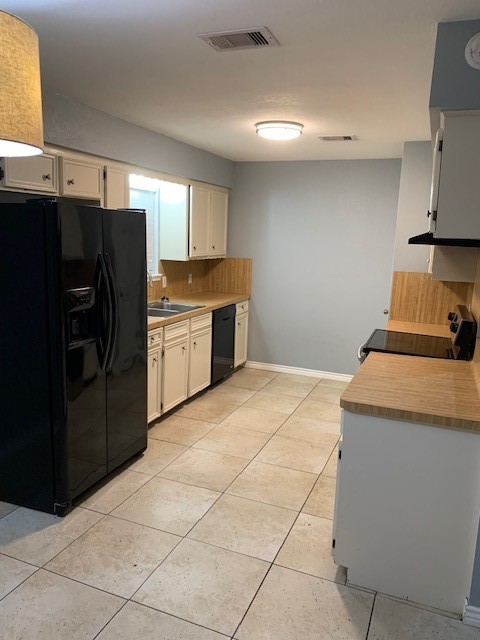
x,y
162,313
167,309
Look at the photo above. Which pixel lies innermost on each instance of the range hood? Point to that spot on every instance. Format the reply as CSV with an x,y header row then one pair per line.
x,y
428,238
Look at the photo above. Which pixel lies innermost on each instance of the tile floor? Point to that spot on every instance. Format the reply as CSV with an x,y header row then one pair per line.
x,y
222,529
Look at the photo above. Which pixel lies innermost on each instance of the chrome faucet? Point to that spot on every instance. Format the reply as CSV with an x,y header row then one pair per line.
x,y
149,280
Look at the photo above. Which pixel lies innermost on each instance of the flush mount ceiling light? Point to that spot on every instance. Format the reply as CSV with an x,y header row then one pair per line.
x,y
279,129
21,127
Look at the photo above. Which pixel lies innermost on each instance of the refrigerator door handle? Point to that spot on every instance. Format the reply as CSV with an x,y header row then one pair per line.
x,y
106,337
114,314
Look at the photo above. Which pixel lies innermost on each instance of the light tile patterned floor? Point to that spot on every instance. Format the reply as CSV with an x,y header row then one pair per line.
x,y
221,530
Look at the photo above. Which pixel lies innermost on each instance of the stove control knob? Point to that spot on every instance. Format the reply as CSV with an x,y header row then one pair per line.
x,y
454,327
452,316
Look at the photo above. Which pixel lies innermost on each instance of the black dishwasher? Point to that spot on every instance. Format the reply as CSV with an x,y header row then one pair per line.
x,y
223,342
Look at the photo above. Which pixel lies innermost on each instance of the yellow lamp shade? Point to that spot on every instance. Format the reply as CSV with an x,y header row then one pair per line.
x,y
21,126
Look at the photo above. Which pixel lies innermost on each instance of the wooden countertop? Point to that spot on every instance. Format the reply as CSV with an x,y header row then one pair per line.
x,y
432,391
209,301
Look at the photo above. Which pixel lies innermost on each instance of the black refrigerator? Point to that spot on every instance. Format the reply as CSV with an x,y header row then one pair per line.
x,y
72,348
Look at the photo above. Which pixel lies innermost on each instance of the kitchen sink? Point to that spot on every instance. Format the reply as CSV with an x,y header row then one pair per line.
x,y
168,309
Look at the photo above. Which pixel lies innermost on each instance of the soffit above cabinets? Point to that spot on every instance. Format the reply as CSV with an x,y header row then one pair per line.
x,y
340,67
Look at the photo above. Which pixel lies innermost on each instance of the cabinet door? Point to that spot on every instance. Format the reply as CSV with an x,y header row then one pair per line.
x,y
218,223
241,338
38,173
117,193
175,372
154,388
200,366
459,186
199,221
81,178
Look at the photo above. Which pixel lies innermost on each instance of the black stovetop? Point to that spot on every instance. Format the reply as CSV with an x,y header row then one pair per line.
x,y
410,344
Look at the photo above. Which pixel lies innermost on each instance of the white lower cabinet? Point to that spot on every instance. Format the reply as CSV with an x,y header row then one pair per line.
x,y
406,513
175,365
199,373
154,374
241,333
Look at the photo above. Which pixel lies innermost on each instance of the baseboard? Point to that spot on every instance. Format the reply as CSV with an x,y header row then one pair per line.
x,y
471,615
313,373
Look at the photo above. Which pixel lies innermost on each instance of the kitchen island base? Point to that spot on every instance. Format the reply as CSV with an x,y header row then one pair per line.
x,y
407,509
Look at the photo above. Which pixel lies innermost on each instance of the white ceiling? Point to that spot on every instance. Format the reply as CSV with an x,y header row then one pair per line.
x,y
359,67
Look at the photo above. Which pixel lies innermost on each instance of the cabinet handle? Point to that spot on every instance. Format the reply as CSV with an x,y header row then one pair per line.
x,y
194,248
194,344
184,348
46,176
213,246
239,324
155,359
71,181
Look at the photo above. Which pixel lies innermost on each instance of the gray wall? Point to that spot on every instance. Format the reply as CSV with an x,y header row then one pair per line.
x,y
474,598
455,85
76,126
413,201
321,236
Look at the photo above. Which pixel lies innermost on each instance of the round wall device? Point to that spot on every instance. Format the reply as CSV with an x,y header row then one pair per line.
x,y
472,51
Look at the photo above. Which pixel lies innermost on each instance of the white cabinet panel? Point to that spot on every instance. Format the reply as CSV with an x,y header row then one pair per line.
x,y
175,373
406,519
200,361
37,174
241,339
453,264
218,223
117,192
153,389
457,213
199,221
81,178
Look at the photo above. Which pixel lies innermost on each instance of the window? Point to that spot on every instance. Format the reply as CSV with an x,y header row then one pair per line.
x,y
156,197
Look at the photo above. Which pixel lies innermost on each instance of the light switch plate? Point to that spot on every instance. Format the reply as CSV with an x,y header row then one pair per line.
x,y
190,278
164,282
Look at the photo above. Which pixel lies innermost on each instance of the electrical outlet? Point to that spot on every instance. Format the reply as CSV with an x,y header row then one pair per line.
x,y
164,282
190,278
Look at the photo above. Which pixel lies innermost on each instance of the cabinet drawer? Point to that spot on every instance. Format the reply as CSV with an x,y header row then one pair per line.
x,y
155,339
81,178
177,331
201,322
242,307
38,173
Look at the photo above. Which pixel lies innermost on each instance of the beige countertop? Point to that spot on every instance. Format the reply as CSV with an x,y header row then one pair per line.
x,y
209,301
432,391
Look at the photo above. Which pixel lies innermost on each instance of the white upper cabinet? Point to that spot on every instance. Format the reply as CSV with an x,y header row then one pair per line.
x,y
38,173
200,204
456,183
117,191
198,231
81,178
218,223
208,221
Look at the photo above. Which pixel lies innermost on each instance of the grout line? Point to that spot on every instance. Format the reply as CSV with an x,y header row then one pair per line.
x,y
371,616
37,569
108,621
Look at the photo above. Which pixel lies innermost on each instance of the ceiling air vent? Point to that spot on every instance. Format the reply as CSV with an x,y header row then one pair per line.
x,y
239,39
337,138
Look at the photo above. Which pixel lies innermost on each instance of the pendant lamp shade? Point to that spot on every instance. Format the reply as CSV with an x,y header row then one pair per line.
x,y
21,126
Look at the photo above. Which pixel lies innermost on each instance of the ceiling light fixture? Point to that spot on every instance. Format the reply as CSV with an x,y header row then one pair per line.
x,y
21,126
279,129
